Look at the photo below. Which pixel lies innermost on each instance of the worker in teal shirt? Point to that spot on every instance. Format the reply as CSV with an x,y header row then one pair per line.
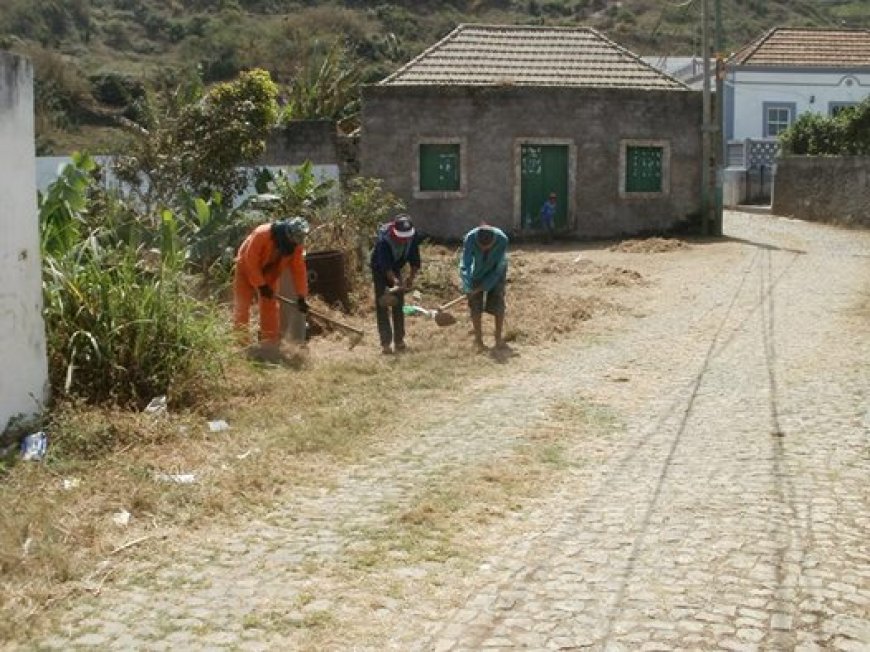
x,y
483,272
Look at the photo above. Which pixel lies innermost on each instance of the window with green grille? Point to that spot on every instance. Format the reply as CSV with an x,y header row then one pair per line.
x,y
643,171
439,168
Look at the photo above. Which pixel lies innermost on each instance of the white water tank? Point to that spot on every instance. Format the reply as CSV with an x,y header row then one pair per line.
x,y
23,363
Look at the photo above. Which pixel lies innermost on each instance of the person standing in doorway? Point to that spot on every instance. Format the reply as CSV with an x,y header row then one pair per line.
x,y
266,252
483,274
397,245
548,217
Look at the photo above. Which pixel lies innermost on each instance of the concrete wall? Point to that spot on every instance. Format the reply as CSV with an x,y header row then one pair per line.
x,y
824,189
747,91
491,123
48,169
300,141
24,376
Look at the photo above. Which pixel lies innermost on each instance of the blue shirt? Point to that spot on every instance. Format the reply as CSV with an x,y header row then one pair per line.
x,y
483,268
548,212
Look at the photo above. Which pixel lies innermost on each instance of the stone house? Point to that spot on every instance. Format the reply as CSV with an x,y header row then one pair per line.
x,y
488,121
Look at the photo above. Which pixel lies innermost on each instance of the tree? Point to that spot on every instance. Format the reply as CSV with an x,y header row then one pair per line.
x,y
326,88
195,143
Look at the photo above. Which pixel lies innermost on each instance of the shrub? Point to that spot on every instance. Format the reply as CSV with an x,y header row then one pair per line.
x,y
327,87
121,324
813,134
195,143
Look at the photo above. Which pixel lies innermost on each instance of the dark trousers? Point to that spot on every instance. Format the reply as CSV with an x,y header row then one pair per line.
x,y
387,331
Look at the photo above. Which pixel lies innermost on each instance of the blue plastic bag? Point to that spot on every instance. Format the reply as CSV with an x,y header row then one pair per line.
x,y
33,446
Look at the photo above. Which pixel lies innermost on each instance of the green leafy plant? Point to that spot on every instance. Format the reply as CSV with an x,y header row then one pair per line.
x,y
196,142
813,134
122,325
62,208
327,87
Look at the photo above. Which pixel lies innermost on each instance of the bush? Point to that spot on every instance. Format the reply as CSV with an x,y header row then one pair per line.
x,y
813,134
195,143
121,324
116,89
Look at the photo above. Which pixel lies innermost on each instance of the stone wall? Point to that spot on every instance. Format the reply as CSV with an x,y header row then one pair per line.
x,y
823,189
490,121
23,380
300,141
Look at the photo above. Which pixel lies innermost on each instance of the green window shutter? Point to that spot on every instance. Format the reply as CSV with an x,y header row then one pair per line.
x,y
439,168
643,169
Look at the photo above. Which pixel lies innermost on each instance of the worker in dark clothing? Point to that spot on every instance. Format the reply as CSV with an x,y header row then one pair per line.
x,y
397,245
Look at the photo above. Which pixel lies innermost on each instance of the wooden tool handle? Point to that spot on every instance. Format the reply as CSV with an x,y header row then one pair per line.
x,y
320,315
335,322
453,302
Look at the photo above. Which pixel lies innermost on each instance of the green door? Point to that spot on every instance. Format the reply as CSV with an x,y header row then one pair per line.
x,y
544,169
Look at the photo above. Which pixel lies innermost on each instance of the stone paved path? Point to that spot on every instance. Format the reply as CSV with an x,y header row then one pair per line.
x,y
729,508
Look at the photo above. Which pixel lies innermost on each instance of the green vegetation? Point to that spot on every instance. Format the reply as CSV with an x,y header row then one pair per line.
x,y
814,134
95,58
121,323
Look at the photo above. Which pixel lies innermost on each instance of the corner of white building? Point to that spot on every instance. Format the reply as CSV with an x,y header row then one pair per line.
x,y
23,361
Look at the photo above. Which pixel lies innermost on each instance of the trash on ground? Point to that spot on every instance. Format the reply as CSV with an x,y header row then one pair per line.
x,y
33,446
247,453
176,478
69,484
122,518
416,310
218,426
156,406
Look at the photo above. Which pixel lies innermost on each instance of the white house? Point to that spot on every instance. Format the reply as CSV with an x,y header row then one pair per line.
x,y
24,375
790,71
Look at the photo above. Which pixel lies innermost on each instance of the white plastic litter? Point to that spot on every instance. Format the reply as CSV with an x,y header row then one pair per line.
x,y
218,426
176,478
122,518
70,483
156,406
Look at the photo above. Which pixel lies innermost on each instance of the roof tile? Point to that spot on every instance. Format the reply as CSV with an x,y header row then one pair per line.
x,y
481,55
808,47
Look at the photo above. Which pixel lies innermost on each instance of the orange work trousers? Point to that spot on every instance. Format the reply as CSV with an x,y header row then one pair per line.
x,y
243,296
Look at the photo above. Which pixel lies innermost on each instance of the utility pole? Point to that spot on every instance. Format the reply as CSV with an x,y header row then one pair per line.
x,y
706,125
720,120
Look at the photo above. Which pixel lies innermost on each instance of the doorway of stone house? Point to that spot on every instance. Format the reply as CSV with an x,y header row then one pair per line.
x,y
543,170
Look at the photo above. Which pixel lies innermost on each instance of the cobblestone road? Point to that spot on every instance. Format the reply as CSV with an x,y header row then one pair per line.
x,y
729,509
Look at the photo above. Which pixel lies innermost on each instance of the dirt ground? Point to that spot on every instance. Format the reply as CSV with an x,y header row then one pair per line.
x,y
650,466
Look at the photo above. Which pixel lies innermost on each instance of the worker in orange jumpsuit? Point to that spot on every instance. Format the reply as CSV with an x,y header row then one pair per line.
x,y
265,253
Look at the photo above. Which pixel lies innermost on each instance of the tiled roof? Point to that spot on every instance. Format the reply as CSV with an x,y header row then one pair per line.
x,y
504,55
808,47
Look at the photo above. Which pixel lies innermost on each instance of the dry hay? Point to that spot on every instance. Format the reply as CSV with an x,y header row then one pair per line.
x,y
649,246
540,318
618,277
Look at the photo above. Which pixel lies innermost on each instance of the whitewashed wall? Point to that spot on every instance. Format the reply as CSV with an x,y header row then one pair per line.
x,y
23,365
48,169
809,91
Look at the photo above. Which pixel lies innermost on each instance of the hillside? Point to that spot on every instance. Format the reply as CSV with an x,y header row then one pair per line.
x,y
95,58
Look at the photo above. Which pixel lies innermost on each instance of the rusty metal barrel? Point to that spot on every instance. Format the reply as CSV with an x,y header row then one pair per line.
x,y
327,278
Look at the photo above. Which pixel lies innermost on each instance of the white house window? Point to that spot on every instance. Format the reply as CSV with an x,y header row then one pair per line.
x,y
777,118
